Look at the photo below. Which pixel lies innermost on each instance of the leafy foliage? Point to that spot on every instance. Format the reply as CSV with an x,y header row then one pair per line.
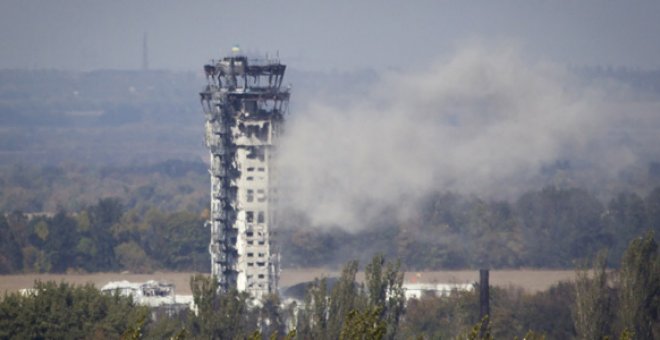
x,y
593,303
351,310
103,237
232,314
433,317
220,316
364,325
601,304
61,311
639,310
548,228
149,203
172,185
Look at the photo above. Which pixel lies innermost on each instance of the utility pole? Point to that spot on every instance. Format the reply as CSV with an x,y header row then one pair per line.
x,y
484,301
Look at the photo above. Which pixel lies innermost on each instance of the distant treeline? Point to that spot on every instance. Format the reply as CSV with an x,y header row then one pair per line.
x,y
158,212
547,228
103,237
172,185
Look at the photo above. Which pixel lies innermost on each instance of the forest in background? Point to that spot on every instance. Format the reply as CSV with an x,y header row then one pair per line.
x,y
142,231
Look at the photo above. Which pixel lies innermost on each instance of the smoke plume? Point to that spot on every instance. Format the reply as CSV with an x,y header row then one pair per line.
x,y
484,122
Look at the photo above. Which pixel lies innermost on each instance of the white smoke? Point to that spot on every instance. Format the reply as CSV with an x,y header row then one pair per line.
x,y
484,122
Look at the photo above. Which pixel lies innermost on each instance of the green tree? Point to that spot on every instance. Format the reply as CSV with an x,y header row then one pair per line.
x,y
435,317
61,241
364,325
314,318
493,235
11,256
102,217
593,303
133,258
176,240
560,226
480,331
549,312
625,219
385,288
62,311
344,298
639,311
326,315
220,315
270,317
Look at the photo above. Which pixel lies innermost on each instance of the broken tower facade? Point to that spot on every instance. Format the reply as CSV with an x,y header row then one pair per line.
x,y
244,104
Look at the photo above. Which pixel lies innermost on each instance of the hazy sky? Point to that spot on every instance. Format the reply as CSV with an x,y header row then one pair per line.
x,y
322,35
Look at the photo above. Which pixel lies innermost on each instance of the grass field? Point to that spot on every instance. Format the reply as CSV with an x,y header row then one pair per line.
x,y
530,280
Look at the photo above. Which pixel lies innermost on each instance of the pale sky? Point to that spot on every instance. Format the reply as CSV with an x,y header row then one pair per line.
x,y
322,35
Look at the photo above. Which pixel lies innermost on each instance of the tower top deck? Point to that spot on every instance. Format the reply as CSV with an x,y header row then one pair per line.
x,y
239,72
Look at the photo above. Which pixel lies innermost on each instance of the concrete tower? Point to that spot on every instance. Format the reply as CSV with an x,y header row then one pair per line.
x,y
244,106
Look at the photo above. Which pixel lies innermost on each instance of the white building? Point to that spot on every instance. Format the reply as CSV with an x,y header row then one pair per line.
x,y
245,107
151,293
418,290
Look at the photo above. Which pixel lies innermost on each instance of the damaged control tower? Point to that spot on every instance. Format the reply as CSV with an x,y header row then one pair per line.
x,y
244,105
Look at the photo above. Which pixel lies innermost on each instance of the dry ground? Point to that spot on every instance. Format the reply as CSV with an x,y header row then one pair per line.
x,y
530,280
12,283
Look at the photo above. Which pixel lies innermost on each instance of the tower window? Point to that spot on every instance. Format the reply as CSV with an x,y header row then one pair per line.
x,y
261,196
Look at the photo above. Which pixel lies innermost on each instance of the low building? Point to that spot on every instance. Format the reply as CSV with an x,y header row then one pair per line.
x,y
159,296
418,290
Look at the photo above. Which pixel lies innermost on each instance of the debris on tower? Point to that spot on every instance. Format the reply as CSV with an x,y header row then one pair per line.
x,y
245,105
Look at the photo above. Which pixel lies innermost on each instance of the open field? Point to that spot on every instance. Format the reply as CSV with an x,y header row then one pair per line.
x,y
530,280
12,283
